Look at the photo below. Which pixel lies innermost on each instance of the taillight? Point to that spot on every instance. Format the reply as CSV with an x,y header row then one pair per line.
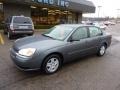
x,y
11,27
33,27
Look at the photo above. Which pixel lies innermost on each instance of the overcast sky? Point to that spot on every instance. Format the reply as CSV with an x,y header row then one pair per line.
x,y
109,8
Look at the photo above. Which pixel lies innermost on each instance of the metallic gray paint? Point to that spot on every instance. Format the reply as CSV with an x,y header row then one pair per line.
x,y
46,46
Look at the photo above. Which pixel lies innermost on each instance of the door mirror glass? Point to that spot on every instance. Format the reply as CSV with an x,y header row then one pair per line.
x,y
99,34
74,39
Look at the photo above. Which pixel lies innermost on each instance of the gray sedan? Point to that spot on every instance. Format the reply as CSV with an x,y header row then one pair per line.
x,y
60,44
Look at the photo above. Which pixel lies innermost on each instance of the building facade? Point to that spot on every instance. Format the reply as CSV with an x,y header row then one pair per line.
x,y
47,11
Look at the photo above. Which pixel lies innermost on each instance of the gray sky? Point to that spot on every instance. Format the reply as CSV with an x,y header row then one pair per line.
x,y
109,8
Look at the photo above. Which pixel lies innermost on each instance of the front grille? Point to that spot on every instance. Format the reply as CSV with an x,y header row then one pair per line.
x,y
15,49
13,52
22,67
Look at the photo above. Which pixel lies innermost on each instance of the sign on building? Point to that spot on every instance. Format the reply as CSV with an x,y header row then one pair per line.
x,y
63,3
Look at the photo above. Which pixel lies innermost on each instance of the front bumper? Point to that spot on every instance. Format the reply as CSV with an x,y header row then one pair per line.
x,y
24,63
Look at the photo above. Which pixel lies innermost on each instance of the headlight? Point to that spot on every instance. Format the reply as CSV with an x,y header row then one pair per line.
x,y
27,52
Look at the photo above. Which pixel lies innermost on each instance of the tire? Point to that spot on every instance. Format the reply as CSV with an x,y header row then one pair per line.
x,y
30,34
9,35
51,64
102,50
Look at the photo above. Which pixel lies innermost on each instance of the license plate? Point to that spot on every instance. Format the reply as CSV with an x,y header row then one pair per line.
x,y
23,27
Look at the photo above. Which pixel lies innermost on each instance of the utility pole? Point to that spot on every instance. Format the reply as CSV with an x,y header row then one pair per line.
x,y
118,13
118,10
99,7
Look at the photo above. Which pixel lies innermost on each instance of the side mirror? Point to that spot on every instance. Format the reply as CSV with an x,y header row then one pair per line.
x,y
100,34
73,39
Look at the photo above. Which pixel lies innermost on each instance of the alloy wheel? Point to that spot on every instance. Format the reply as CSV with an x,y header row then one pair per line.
x,y
52,65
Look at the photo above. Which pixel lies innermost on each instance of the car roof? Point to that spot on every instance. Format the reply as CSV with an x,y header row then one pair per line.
x,y
21,16
75,25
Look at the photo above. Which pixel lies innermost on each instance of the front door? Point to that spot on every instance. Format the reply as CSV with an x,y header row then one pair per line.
x,y
77,46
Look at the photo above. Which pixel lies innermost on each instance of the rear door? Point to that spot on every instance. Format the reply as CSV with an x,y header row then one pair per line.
x,y
94,40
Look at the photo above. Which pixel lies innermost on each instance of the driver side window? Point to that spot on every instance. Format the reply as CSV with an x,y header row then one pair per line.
x,y
80,33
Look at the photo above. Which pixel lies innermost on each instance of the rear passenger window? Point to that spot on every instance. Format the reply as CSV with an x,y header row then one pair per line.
x,y
80,33
22,20
94,31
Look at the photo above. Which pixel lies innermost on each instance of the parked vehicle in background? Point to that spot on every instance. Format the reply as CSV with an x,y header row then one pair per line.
x,y
101,25
112,23
18,25
107,23
60,44
117,21
88,22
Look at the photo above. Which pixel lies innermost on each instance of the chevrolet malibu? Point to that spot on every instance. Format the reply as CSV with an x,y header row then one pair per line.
x,y
60,44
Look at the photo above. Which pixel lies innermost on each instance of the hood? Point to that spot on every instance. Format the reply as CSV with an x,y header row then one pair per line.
x,y
38,42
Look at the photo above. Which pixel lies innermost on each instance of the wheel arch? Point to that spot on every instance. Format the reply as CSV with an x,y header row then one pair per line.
x,y
105,43
54,53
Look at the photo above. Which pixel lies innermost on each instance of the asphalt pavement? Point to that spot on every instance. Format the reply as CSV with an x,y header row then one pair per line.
x,y
89,73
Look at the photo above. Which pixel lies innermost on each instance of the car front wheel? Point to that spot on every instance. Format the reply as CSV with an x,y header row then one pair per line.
x,y
102,50
51,64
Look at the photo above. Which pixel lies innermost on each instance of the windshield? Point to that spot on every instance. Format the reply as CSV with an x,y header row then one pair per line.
x,y
59,32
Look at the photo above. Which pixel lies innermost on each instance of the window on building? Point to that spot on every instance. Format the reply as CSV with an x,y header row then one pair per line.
x,y
52,16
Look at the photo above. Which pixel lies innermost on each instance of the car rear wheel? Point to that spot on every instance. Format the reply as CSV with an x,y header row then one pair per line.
x,y
30,34
9,35
51,64
102,50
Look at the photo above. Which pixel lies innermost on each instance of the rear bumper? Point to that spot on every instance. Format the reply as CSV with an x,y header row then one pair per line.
x,y
15,32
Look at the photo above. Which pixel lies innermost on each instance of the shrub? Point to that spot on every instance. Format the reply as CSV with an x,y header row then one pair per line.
x,y
36,26
43,26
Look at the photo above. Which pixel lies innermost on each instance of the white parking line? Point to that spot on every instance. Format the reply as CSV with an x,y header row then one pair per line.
x,y
1,39
117,37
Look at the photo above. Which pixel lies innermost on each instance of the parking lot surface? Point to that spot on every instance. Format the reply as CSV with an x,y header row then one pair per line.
x,y
89,73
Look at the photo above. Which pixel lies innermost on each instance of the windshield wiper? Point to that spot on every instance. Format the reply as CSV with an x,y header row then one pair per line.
x,y
48,36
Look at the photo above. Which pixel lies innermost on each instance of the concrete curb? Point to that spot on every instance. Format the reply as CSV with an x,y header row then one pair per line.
x,y
37,30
